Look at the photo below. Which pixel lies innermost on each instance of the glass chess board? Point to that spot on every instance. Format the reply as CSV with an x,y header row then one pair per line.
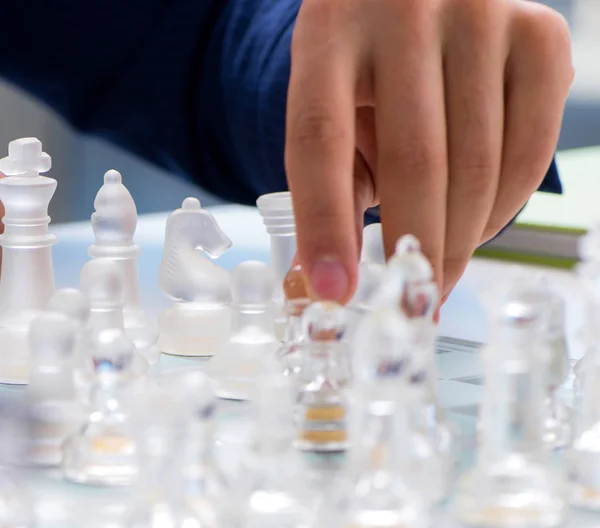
x,y
60,504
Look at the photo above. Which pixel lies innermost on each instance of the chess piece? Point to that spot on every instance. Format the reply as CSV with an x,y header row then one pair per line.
x,y
74,304
53,408
205,489
513,483
251,349
383,493
114,222
277,212
372,245
102,283
323,381
270,488
297,297
103,451
199,322
27,276
159,497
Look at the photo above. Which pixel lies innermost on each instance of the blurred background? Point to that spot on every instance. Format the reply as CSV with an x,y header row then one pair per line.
x,y
79,162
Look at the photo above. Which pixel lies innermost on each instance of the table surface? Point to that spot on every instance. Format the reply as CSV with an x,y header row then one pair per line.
x,y
463,318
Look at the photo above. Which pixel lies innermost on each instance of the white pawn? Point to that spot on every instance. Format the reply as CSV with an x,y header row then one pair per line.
x,y
102,283
27,277
73,303
53,407
114,222
103,451
199,322
251,349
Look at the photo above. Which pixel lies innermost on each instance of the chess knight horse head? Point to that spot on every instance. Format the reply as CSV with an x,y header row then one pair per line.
x,y
186,274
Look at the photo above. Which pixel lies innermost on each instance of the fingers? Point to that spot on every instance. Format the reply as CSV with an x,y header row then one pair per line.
x,y
474,83
320,149
411,132
539,75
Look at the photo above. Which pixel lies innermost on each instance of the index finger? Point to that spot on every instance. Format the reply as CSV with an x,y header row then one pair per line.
x,y
319,154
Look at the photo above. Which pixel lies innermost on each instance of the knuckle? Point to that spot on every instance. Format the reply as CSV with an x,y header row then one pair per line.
x,y
418,158
477,172
315,127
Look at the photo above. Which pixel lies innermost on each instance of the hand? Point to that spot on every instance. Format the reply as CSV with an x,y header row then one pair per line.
x,y
445,112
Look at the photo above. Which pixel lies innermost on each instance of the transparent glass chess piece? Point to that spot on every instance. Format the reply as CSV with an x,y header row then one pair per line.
x,y
103,283
103,451
53,408
199,322
276,210
114,222
297,299
513,482
382,494
251,349
159,498
27,272
322,401
74,304
270,490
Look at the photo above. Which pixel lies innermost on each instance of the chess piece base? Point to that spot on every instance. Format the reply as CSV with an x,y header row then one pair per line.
x,y
514,493
195,330
584,475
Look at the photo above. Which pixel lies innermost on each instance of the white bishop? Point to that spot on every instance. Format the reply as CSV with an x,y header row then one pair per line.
x,y
114,223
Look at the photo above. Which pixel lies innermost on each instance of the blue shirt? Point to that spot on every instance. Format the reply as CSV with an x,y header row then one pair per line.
x,y
197,87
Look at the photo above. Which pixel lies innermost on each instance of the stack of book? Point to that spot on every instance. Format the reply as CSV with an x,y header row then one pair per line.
x,y
548,229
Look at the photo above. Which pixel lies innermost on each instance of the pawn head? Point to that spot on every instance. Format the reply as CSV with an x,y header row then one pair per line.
x,y
71,302
252,283
325,321
102,282
52,337
115,218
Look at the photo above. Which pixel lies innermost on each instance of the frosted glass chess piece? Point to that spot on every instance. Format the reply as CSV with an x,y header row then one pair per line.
x,y
199,322
103,451
270,489
53,408
251,349
103,283
74,304
276,210
372,245
297,299
159,494
114,223
325,375
27,276
513,482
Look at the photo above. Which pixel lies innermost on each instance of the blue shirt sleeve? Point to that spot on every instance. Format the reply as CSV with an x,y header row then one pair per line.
x,y
197,87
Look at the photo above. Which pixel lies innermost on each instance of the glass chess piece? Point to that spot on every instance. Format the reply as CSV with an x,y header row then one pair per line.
x,y
513,483
251,349
199,322
270,489
159,498
205,488
322,401
103,284
297,299
27,272
103,451
74,304
52,406
114,222
276,210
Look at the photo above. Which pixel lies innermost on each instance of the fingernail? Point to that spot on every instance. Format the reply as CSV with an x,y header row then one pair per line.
x,y
329,279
